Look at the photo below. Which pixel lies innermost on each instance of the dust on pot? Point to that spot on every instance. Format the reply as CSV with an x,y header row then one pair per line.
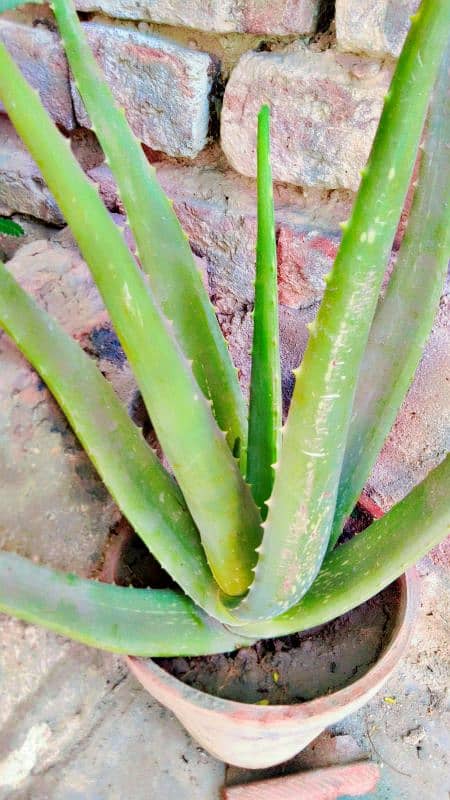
x,y
261,705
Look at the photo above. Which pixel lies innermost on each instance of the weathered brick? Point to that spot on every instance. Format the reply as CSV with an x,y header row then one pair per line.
x,y
86,148
163,87
325,110
321,784
218,212
420,438
40,56
377,27
32,14
103,178
223,16
305,255
33,230
22,187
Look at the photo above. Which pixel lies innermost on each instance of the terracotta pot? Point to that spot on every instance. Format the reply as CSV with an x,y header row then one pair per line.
x,y
255,736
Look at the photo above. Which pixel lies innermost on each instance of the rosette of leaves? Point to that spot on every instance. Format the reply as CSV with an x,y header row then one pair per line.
x,y
247,521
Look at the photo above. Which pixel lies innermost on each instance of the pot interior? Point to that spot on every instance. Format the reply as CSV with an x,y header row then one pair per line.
x,y
299,667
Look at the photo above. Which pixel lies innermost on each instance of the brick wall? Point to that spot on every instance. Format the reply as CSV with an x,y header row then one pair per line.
x,y
191,75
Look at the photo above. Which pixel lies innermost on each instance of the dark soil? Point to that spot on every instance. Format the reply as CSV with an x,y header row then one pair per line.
x,y
137,566
291,669
299,667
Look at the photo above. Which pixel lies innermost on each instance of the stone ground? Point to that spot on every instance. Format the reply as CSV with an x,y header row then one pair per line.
x,y
73,723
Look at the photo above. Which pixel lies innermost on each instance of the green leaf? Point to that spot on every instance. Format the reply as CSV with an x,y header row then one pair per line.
x,y
369,562
10,228
143,490
264,435
205,469
404,317
140,622
302,505
162,245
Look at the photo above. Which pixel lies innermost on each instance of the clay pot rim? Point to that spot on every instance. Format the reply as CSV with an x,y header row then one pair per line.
x,y
183,694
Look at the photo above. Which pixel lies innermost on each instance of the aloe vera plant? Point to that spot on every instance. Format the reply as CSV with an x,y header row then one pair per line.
x,y
248,522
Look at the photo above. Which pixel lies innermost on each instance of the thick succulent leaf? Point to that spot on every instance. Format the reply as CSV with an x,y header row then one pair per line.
x,y
404,317
264,431
369,562
140,622
142,488
205,469
162,245
302,505
10,228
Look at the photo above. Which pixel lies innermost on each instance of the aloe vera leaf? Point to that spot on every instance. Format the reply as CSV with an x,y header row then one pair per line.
x,y
140,622
264,426
301,509
142,488
205,469
369,562
162,245
10,228
404,317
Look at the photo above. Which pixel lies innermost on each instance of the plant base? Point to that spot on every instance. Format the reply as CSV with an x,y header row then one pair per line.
x,y
261,705
255,736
